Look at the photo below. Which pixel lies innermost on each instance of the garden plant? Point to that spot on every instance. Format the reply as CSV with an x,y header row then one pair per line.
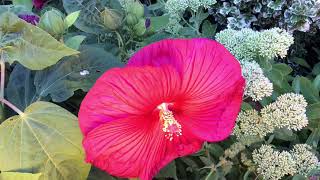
x,y
159,89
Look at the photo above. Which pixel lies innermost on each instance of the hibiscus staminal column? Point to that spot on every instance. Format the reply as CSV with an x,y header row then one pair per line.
x,y
171,127
171,97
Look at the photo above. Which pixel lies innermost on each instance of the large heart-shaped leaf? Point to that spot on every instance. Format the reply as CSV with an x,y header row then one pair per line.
x,y
21,90
44,139
19,176
31,46
73,73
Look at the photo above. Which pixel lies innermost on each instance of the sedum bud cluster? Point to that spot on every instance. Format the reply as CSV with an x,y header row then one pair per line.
x,y
272,164
288,111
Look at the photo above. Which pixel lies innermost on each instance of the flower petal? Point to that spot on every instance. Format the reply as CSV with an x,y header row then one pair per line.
x,y
126,92
212,84
132,148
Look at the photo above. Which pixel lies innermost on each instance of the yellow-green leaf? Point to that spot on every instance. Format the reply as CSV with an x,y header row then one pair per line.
x,y
71,18
19,176
45,139
31,46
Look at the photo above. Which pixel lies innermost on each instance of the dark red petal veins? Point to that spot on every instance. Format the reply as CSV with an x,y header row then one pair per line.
x,y
129,148
126,92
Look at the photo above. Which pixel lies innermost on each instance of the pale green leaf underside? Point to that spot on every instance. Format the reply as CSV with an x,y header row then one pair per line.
x,y
19,176
46,139
31,46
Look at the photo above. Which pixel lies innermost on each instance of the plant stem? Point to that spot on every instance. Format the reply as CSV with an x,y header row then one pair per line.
x,y
2,78
2,83
13,107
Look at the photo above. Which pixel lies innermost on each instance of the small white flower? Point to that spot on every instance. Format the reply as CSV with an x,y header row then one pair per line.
x,y
84,72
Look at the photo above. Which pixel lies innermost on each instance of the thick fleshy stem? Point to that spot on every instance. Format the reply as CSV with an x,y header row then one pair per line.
x,y
13,107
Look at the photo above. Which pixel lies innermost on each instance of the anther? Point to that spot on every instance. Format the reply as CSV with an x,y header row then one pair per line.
x,y
171,127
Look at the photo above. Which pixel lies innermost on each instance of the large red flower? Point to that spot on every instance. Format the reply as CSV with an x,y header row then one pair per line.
x,y
171,97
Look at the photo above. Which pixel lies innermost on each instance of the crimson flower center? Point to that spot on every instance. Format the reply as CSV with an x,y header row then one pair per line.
x,y
170,126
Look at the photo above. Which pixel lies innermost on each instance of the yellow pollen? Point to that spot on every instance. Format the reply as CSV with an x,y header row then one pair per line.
x,y
171,127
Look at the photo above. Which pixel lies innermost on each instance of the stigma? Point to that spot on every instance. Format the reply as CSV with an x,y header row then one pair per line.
x,y
170,126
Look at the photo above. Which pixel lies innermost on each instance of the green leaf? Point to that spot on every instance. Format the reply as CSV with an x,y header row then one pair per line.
x,y
301,62
75,41
169,171
316,82
31,46
19,176
159,22
296,84
284,134
314,138
89,19
17,9
215,175
97,174
245,106
316,69
73,73
27,3
282,68
20,89
71,18
299,177
307,89
313,114
45,139
208,29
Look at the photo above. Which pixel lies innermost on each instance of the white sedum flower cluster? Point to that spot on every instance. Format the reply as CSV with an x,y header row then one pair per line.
x,y
248,44
175,8
305,159
272,164
257,85
288,111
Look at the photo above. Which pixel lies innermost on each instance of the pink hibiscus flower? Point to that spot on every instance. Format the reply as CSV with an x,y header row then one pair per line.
x,y
171,97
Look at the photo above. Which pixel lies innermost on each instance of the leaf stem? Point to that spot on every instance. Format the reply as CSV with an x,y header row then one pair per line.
x,y
2,78
13,107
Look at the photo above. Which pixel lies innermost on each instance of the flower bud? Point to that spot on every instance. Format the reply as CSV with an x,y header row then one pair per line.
x,y
140,28
52,22
111,19
131,19
136,8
